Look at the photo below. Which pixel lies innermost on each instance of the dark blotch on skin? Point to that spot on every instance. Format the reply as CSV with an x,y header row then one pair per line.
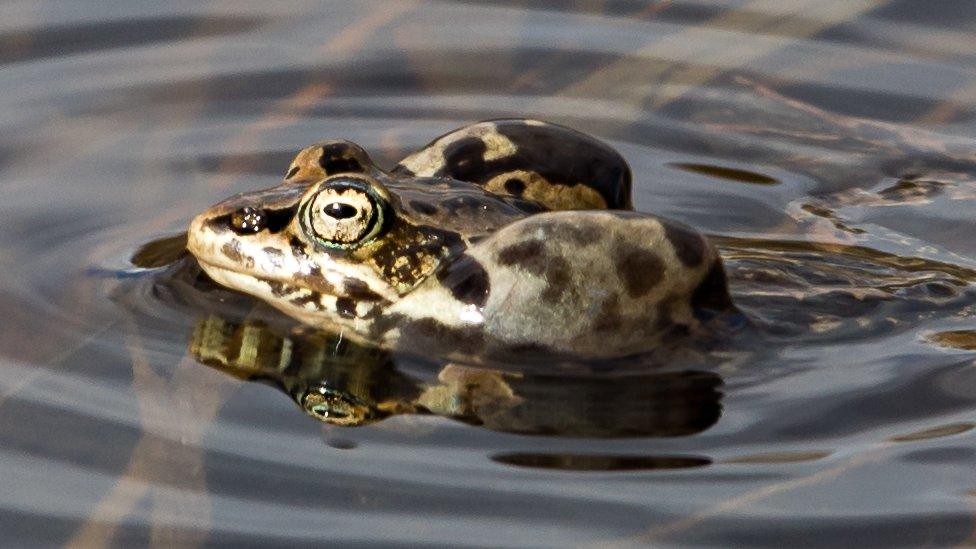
x,y
358,290
425,208
467,280
232,250
583,234
639,269
559,155
346,307
515,187
460,203
297,248
277,220
278,289
688,245
557,275
531,256
465,160
525,254
273,253
312,297
336,158
219,224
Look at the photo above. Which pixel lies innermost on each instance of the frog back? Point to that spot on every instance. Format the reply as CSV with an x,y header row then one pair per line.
x,y
555,166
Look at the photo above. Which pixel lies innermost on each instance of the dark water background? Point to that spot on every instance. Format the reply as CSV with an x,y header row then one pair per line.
x,y
828,146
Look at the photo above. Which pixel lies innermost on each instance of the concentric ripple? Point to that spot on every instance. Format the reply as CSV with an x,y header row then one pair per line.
x,y
828,147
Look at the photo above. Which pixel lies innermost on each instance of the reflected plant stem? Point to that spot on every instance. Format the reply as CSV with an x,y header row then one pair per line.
x,y
673,81
15,388
174,414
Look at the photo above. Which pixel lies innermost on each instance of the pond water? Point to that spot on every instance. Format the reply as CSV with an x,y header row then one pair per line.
x,y
828,147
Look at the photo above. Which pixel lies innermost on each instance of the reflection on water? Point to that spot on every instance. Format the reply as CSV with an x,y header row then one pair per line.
x,y
960,339
731,174
828,147
568,462
341,383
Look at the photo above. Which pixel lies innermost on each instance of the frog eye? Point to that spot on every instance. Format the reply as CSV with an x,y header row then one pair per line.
x,y
342,214
248,220
336,407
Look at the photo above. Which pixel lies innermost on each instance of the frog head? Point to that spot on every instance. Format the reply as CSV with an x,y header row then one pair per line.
x,y
337,241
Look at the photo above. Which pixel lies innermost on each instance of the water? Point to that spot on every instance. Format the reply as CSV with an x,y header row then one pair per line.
x,y
829,148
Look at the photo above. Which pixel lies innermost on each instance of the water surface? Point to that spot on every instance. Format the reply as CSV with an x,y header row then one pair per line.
x,y
828,148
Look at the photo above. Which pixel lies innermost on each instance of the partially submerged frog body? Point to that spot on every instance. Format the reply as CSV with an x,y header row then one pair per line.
x,y
476,243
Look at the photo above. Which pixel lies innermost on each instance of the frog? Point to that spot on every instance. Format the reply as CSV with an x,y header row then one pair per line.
x,y
506,236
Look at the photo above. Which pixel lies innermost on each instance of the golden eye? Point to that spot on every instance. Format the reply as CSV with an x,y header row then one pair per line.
x,y
342,214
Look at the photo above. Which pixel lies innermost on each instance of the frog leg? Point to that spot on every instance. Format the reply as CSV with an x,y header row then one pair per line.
x,y
553,165
597,283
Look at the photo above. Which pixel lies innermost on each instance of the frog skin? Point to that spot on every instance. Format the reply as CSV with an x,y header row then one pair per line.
x,y
504,236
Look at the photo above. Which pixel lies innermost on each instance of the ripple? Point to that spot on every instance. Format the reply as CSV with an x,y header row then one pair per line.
x,y
849,129
40,43
949,430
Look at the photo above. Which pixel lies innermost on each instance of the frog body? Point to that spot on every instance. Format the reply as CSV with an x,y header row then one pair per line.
x,y
502,236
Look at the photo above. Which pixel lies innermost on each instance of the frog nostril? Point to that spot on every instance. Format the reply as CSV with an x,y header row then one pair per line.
x,y
338,210
248,220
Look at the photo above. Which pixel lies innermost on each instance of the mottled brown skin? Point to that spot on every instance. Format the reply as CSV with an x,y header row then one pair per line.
x,y
476,243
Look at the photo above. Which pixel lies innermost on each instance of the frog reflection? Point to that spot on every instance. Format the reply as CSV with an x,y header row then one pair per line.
x,y
342,383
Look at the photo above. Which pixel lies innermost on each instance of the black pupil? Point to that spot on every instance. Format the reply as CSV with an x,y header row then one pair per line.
x,y
338,210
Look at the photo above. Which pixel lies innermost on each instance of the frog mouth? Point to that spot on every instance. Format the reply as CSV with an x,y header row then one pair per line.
x,y
228,263
248,282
